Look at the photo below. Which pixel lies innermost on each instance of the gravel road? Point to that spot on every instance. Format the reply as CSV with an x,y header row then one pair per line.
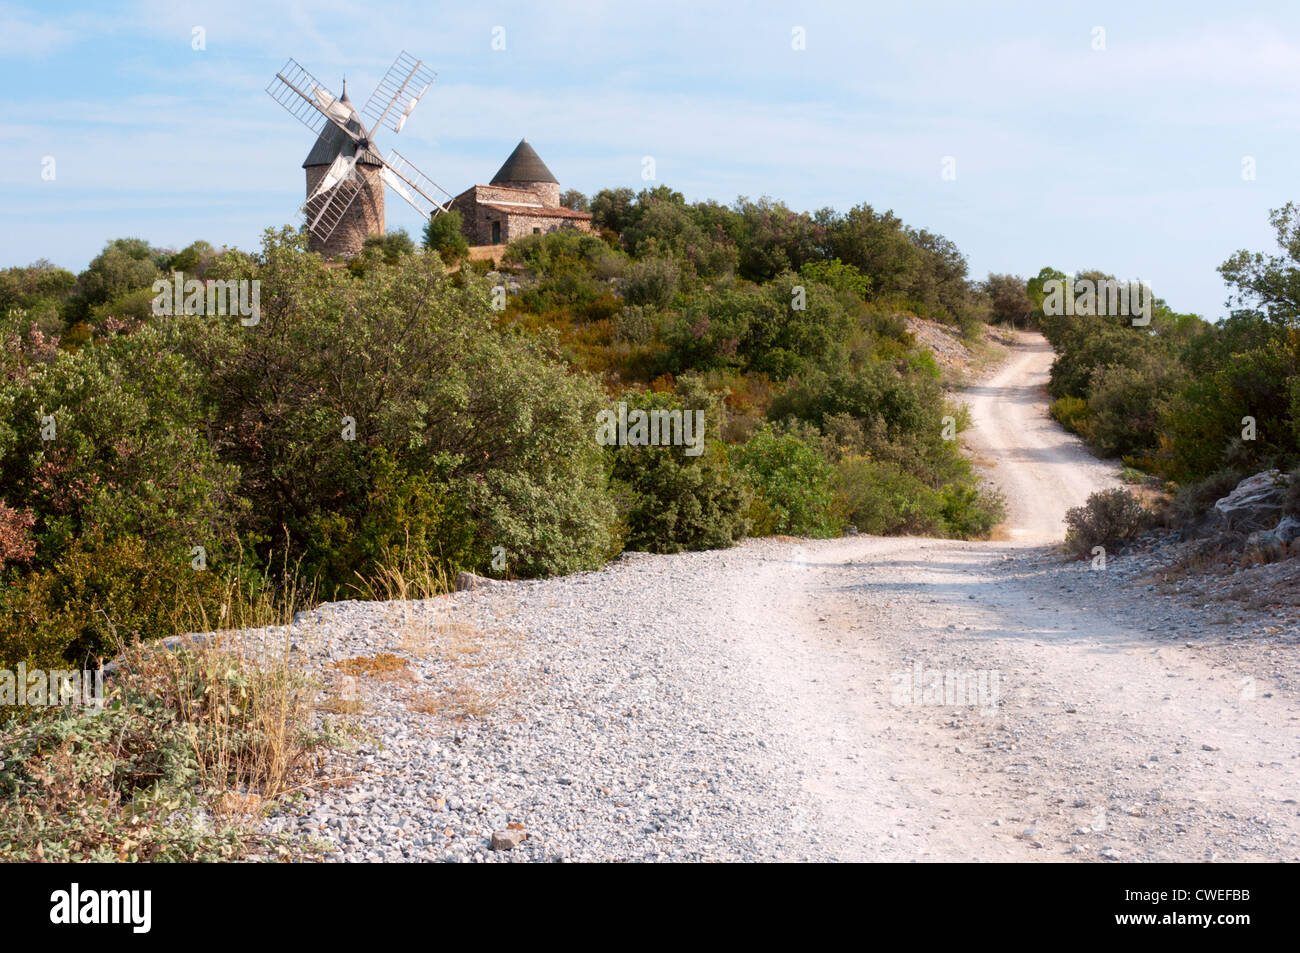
x,y
862,698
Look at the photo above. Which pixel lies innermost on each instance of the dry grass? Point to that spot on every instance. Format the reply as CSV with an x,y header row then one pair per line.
x,y
459,702
384,666
455,643
417,576
206,727
247,718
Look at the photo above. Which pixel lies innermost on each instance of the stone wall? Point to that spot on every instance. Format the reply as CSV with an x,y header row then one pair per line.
x,y
477,218
508,193
548,192
517,226
364,217
476,221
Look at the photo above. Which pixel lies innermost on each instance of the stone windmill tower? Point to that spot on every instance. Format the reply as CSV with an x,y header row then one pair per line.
x,y
365,214
345,172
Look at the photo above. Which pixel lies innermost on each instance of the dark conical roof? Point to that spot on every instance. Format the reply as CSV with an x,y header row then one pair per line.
x,y
524,165
332,141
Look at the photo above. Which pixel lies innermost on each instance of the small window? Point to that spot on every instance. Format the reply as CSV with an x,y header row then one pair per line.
x,y
537,231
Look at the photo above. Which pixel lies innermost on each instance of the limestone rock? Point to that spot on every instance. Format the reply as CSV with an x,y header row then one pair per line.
x,y
467,580
1276,543
1255,503
507,840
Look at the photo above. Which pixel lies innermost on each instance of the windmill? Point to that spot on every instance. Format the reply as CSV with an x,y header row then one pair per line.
x,y
345,172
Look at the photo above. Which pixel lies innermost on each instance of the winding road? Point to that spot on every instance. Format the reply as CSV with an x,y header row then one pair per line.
x,y
1105,742
863,698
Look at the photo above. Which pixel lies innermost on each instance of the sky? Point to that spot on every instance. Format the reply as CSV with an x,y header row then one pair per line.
x,y
1114,136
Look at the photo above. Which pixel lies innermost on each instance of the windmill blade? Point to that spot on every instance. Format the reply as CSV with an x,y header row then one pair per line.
x,y
413,185
325,210
401,88
335,109
339,169
307,100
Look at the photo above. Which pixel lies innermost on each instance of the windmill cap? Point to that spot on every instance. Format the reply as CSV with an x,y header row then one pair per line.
x,y
524,165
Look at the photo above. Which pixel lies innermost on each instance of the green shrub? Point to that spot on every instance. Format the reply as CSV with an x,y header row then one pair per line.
x,y
884,499
416,361
634,325
147,778
444,234
126,454
1109,518
1193,500
792,484
652,282
670,501
1073,414
406,517
1124,404
969,512
99,596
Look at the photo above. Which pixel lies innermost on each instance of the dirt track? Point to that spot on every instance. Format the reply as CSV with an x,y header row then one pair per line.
x,y
779,700
1042,469
1104,742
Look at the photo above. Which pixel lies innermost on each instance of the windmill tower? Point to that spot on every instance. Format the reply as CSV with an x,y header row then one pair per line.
x,y
365,215
345,172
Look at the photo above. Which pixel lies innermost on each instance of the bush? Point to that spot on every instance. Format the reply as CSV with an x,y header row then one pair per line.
x,y
634,325
1109,518
1124,404
127,455
99,596
502,430
1073,414
125,265
792,484
652,282
407,517
885,499
1193,500
669,501
149,777
443,234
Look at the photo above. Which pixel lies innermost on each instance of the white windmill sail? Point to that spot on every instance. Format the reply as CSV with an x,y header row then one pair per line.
x,y
396,185
339,170
334,108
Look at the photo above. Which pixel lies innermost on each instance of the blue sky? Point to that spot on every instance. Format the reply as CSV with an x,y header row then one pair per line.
x,y
1127,159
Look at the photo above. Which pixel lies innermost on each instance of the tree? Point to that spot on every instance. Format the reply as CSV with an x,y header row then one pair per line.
x,y
391,247
125,265
1270,283
613,209
1009,298
572,198
404,360
444,234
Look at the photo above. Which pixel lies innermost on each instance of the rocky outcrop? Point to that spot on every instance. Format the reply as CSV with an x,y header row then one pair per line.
x,y
1255,504
1280,542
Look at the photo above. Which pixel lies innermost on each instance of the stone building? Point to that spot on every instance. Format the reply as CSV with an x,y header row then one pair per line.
x,y
365,216
523,198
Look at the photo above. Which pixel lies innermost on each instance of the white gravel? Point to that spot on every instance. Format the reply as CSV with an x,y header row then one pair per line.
x,y
742,704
